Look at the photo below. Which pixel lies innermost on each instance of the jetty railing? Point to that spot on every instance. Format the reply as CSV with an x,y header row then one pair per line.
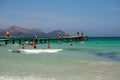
x,y
43,40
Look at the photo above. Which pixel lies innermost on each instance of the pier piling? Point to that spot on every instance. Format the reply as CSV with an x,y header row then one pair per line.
x,y
43,40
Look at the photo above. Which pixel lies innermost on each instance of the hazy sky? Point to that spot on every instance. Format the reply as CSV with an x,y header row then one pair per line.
x,y
93,17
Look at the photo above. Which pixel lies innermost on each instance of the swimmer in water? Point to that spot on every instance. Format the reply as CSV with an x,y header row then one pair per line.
x,y
48,46
71,43
23,46
34,45
26,42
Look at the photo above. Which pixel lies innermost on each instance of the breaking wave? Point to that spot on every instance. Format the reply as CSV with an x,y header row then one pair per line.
x,y
36,51
24,78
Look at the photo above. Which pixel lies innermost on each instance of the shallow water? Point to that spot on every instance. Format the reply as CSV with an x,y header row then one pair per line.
x,y
97,59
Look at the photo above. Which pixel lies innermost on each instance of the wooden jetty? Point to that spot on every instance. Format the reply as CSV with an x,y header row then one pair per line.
x,y
43,40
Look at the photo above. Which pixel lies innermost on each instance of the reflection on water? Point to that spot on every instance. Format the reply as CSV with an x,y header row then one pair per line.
x,y
89,61
110,55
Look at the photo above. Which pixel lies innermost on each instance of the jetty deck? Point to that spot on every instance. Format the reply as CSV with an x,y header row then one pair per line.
x,y
42,40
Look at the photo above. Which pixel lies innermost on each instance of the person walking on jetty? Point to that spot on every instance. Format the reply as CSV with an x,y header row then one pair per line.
x,y
36,35
60,34
78,34
66,35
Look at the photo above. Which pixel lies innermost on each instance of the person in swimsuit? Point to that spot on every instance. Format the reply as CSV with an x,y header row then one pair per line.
x,y
34,45
48,46
7,34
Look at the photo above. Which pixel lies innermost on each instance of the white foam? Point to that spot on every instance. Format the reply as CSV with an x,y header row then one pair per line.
x,y
24,78
36,51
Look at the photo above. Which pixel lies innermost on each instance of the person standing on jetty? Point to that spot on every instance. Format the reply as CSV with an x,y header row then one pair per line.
x,y
7,34
78,34
36,35
60,34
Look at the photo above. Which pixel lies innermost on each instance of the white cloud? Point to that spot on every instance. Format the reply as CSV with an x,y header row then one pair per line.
x,y
115,9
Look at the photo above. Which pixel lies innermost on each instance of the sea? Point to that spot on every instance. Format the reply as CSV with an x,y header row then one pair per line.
x,y
98,58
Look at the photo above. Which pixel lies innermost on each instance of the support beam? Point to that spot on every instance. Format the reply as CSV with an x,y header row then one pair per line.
x,y
6,42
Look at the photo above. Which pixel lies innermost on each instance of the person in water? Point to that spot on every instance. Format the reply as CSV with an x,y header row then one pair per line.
x,y
48,46
71,43
26,42
34,45
7,34
23,46
31,43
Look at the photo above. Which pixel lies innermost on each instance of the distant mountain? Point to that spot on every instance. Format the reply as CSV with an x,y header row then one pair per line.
x,y
22,32
56,33
17,31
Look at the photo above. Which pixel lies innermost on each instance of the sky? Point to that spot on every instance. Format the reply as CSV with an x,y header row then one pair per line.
x,y
95,18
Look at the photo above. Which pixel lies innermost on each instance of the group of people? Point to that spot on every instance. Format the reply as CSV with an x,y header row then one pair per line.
x,y
32,43
60,34
75,34
63,35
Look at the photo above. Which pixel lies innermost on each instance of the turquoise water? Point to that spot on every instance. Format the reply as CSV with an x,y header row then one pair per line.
x,y
96,59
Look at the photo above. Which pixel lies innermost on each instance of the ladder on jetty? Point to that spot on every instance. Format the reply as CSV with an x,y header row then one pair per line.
x,y
43,40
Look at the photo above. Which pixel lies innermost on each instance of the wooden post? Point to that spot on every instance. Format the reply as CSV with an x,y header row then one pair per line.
x,y
36,41
6,42
13,41
19,41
